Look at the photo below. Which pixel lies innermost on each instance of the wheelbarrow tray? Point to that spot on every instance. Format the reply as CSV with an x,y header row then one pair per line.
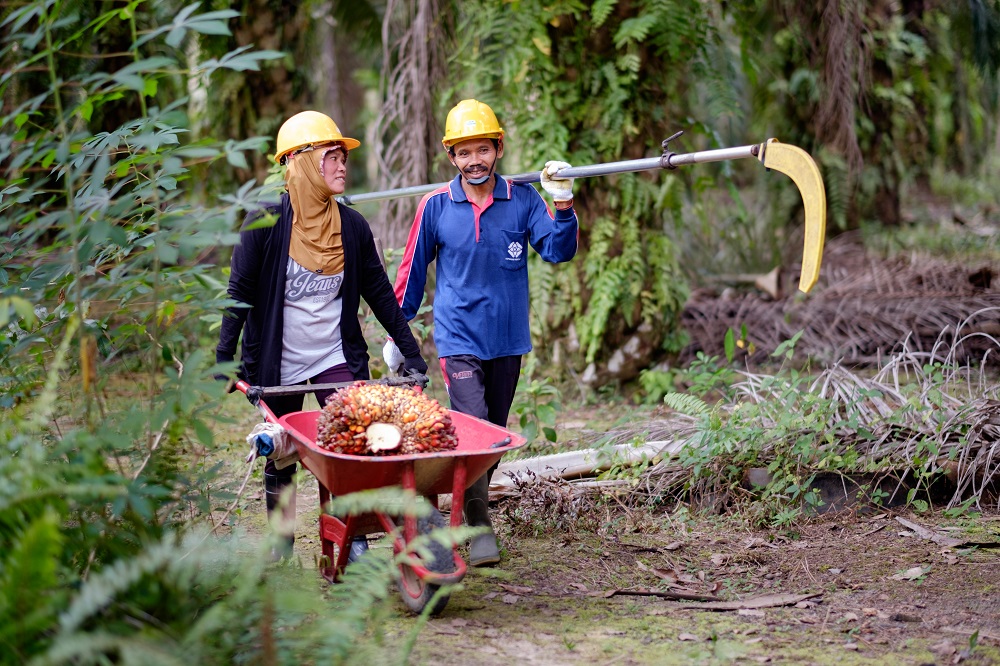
x,y
342,473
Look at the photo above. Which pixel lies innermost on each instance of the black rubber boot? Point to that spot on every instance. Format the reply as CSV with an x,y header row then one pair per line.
x,y
483,550
279,492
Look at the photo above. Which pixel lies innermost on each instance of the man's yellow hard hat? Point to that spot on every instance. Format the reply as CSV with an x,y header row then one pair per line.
x,y
309,128
470,119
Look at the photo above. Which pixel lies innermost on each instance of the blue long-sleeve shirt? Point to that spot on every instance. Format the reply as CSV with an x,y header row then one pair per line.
x,y
481,292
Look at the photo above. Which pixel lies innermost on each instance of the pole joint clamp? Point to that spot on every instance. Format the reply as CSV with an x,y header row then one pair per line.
x,y
667,153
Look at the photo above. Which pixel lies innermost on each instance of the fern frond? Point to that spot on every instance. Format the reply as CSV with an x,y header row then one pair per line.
x,y
685,403
601,11
634,30
103,587
27,577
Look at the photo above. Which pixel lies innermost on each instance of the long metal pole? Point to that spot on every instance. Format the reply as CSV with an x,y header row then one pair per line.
x,y
667,161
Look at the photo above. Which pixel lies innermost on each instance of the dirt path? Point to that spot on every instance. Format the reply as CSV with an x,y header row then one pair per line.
x,y
885,595
546,605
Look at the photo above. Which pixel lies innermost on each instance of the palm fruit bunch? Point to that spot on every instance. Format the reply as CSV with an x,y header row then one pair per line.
x,y
378,420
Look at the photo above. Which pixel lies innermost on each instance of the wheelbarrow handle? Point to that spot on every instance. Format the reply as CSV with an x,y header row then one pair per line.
x,y
257,394
415,379
254,395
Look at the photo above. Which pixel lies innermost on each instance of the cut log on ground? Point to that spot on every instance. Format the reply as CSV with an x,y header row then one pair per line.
x,y
576,464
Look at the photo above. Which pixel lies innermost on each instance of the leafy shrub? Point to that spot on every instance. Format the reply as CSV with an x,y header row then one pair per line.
x,y
537,405
108,271
797,426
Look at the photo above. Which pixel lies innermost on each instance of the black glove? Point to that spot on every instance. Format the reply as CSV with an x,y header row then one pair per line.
x,y
415,364
230,383
415,369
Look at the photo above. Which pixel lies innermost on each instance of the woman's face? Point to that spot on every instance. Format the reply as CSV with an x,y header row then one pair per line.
x,y
333,167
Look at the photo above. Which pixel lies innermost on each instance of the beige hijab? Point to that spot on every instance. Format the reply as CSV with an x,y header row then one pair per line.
x,y
316,242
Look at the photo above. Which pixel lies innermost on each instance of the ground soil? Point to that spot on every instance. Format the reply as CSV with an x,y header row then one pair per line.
x,y
548,603
882,594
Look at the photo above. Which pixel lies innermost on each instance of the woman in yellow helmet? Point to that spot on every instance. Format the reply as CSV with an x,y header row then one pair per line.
x,y
299,283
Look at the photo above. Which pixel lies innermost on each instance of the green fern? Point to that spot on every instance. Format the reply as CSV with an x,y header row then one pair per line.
x,y
101,589
685,403
29,599
634,30
601,10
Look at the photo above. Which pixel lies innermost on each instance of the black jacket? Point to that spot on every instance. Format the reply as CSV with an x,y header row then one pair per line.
x,y
258,279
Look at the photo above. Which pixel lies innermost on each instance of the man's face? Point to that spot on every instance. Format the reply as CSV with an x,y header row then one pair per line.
x,y
475,157
334,168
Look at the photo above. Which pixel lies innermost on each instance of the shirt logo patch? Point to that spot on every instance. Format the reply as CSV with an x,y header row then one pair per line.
x,y
515,249
464,374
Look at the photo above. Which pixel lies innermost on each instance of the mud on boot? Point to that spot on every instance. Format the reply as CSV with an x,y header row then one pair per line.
x,y
483,550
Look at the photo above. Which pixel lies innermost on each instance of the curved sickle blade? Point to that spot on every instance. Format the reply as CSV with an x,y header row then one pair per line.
x,y
800,167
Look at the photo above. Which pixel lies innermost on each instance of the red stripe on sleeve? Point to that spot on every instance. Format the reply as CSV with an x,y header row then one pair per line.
x,y
403,274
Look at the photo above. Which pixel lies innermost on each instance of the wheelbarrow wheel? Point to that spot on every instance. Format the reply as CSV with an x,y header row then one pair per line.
x,y
416,592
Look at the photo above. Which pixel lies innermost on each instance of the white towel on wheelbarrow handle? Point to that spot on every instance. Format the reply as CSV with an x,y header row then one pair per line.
x,y
271,441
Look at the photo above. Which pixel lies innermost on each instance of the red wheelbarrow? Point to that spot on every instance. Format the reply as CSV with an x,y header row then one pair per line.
x,y
480,445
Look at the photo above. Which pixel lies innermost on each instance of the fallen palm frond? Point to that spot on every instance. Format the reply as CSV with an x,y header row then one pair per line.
x,y
864,311
924,430
913,417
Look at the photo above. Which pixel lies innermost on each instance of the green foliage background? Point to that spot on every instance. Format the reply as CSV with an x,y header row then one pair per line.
x,y
110,297
886,97
129,151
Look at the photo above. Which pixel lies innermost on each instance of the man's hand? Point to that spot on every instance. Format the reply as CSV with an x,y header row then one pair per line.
x,y
561,189
394,358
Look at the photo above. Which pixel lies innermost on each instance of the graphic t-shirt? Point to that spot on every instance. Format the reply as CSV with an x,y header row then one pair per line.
x,y
311,337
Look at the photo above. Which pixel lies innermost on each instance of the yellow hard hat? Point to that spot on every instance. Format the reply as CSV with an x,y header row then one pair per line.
x,y
470,119
309,128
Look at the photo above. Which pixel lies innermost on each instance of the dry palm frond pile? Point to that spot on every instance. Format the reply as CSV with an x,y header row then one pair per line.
x,y
863,311
379,420
914,422
930,431
909,420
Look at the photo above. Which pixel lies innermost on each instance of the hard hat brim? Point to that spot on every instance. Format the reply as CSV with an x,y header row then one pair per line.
x,y
349,144
454,141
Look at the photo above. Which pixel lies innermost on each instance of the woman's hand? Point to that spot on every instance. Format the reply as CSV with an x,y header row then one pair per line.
x,y
415,364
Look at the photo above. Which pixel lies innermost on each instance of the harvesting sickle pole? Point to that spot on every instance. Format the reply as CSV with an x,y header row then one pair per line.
x,y
790,160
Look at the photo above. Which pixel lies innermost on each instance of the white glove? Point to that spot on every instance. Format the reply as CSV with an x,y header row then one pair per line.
x,y
281,448
393,357
561,189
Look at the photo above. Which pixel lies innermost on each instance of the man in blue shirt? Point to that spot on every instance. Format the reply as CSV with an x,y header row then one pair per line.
x,y
478,228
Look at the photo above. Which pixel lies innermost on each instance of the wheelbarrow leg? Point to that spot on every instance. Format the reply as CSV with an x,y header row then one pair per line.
x,y
409,521
458,492
327,537
334,532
